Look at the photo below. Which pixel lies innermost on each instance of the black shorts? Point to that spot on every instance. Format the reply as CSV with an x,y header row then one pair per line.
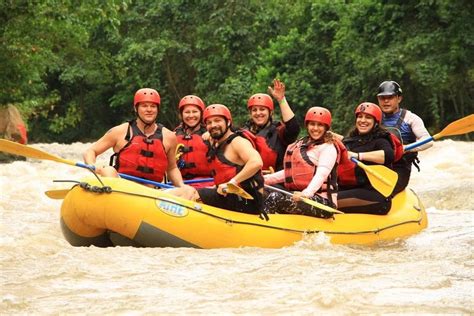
x,y
231,202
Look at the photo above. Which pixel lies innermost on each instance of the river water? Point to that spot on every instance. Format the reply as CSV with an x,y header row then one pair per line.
x,y
429,273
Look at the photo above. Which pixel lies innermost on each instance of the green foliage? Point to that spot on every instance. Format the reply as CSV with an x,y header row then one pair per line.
x,y
73,67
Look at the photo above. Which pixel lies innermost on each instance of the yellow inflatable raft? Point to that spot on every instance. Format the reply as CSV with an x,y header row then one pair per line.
x,y
135,215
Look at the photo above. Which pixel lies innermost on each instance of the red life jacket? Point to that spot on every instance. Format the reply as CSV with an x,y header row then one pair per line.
x,y
192,162
269,145
23,135
142,156
397,147
346,169
300,170
346,175
224,170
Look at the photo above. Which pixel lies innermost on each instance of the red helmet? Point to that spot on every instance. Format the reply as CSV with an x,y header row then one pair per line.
x,y
261,99
217,109
371,109
191,100
146,95
318,114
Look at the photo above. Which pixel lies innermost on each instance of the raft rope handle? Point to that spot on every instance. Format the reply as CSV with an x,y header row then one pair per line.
x,y
86,186
77,182
95,174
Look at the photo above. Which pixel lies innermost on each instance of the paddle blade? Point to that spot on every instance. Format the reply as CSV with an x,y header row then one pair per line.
x,y
461,126
30,152
234,189
57,194
382,179
321,206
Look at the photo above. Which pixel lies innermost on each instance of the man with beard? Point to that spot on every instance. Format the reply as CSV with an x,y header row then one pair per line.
x,y
142,148
233,159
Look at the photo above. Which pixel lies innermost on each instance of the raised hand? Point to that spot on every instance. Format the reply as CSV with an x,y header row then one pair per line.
x,y
278,90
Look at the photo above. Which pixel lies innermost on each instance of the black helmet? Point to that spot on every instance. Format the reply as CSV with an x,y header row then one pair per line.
x,y
389,88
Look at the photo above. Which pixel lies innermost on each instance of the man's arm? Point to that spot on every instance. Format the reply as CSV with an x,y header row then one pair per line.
x,y
109,140
249,156
419,130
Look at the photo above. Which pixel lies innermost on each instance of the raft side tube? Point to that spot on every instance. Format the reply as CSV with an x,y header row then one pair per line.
x,y
80,241
151,236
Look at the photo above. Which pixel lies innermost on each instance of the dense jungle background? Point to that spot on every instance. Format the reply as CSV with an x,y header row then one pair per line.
x,y
72,67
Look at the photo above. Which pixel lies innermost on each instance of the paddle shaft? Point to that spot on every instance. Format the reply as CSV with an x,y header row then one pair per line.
x,y
419,143
462,126
31,152
199,180
129,177
196,180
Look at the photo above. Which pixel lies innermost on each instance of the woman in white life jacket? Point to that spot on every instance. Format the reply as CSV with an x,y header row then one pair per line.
x,y
191,153
309,170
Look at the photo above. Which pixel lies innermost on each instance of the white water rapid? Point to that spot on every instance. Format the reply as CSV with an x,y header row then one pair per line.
x,y
429,273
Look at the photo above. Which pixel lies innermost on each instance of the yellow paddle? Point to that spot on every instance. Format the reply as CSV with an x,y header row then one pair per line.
x,y
462,126
234,189
30,152
307,201
58,194
381,178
